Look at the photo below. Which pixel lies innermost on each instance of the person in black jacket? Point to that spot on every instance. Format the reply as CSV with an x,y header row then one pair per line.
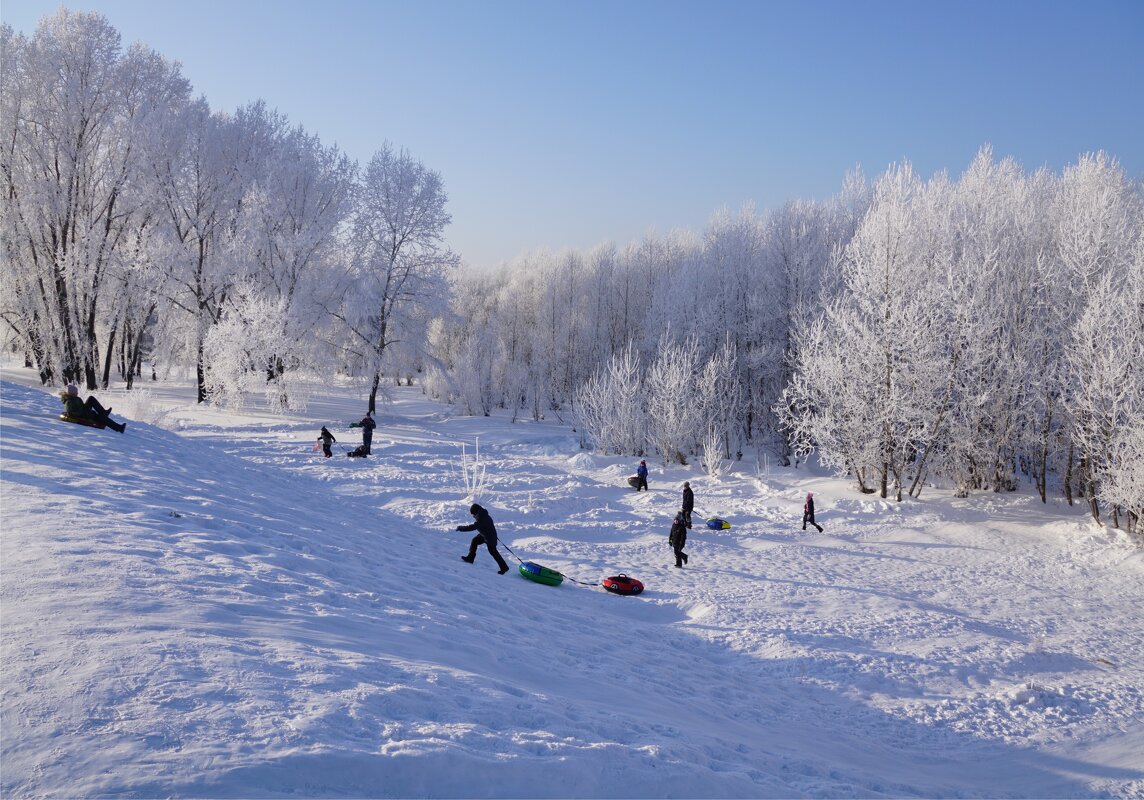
x,y
326,438
678,538
808,513
486,535
367,425
688,503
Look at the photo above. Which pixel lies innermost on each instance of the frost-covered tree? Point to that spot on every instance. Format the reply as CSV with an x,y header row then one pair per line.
x,y
739,286
400,261
1107,404
199,176
1123,484
296,196
989,292
673,410
722,397
610,407
864,388
237,348
1098,217
75,107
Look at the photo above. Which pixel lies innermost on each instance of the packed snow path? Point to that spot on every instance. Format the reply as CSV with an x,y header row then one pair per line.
x,y
208,608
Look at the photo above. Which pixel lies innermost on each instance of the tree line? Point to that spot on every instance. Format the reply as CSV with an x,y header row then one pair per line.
x,y
973,330
139,224
970,331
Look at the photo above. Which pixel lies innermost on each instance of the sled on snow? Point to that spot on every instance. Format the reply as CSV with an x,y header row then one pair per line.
x,y
634,481
716,524
622,584
90,422
535,572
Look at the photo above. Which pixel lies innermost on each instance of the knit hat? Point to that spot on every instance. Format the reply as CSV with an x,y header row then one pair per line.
x,y
73,390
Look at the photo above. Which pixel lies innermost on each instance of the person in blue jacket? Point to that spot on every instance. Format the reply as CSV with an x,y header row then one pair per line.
x,y
641,474
486,535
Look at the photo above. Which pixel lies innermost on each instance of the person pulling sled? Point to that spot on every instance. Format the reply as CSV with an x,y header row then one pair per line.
x,y
367,425
486,535
641,476
327,439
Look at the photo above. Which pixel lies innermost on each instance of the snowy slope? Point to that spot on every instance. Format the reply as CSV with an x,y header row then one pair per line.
x,y
219,612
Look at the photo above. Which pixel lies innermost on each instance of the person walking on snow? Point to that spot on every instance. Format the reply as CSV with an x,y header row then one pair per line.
x,y
688,503
641,476
367,425
486,535
808,513
326,438
678,538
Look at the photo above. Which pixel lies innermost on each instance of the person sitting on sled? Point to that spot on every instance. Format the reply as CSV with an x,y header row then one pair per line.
x,y
91,409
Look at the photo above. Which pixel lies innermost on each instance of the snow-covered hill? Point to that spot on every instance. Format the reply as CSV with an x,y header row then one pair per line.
x,y
210,609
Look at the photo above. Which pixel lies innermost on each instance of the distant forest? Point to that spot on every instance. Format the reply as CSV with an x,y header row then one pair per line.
x,y
970,331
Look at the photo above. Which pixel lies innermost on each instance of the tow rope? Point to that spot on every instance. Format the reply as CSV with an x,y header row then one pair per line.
x,y
562,575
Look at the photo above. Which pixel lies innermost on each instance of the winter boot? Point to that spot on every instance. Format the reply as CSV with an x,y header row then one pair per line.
x,y
502,570
468,559
684,557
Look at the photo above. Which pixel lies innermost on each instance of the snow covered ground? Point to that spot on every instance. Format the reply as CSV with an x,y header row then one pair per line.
x,y
204,607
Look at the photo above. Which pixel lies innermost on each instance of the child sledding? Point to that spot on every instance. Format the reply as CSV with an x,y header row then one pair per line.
x,y
88,412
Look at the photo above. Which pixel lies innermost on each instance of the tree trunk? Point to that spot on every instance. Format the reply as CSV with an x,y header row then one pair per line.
x,y
1069,475
107,359
200,377
373,391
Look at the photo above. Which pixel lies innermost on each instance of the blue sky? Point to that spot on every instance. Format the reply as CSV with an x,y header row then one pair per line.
x,y
570,124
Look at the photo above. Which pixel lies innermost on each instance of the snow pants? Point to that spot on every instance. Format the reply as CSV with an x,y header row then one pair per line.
x,y
99,412
478,540
677,545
